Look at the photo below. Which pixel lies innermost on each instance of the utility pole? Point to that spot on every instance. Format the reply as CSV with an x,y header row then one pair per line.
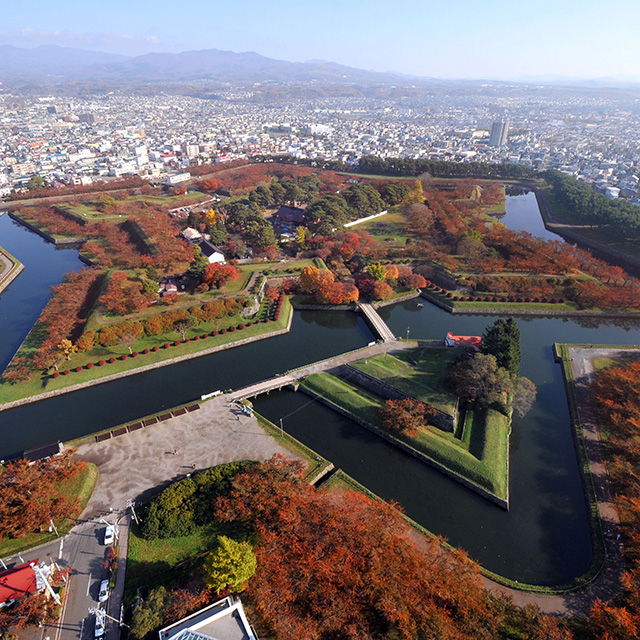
x,y
38,571
94,611
53,526
281,429
131,505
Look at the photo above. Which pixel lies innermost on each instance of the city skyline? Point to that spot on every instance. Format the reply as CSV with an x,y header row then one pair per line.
x,y
499,40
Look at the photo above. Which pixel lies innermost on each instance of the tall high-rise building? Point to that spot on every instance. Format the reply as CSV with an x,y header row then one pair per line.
x,y
499,133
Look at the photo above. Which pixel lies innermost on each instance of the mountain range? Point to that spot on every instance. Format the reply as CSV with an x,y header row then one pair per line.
x,y
51,64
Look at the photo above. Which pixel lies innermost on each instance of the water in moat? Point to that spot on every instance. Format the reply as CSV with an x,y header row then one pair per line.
x,y
543,539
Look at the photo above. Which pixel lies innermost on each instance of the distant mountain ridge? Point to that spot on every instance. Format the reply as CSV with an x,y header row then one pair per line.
x,y
51,64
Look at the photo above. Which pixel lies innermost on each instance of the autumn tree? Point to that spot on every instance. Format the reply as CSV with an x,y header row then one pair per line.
x,y
406,416
229,566
341,565
312,279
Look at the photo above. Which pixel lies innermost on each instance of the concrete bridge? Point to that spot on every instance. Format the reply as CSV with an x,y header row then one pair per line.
x,y
293,376
378,324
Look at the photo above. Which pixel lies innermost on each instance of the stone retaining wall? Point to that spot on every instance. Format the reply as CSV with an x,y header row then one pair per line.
x,y
442,420
504,504
44,234
14,271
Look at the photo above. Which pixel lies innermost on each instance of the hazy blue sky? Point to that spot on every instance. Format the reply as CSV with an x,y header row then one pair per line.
x,y
443,38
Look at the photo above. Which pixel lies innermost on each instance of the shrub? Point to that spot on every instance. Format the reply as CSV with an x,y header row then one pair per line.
x,y
561,300
101,363
124,357
240,327
214,333
187,339
145,351
196,338
56,374
249,324
66,372
187,503
176,343
223,331
166,345
112,360
90,365
156,347
78,369
266,320
134,354
232,328
204,336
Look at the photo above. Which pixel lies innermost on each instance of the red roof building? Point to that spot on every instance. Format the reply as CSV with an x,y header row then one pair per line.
x,y
17,582
463,341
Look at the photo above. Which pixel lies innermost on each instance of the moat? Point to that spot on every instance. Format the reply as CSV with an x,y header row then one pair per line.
x,y
543,539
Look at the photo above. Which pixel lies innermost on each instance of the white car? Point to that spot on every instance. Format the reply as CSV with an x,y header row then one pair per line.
x,y
101,623
109,535
104,591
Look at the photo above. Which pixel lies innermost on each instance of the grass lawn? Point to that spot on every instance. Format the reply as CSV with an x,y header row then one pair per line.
x,y
154,563
481,457
90,212
417,372
391,227
80,485
40,383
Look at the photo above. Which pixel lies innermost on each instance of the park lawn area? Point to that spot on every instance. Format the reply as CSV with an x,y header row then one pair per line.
x,y
80,485
41,383
353,398
481,457
153,563
90,212
417,372
391,226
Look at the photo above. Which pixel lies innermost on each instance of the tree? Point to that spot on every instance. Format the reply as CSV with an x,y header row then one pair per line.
x,y
149,615
377,271
312,279
229,566
182,326
524,396
35,183
67,348
479,379
502,340
405,416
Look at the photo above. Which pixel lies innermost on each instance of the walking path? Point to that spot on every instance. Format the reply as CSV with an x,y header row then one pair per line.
x,y
607,583
293,376
378,323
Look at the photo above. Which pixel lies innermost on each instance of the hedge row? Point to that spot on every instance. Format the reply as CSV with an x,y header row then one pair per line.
x,y
457,298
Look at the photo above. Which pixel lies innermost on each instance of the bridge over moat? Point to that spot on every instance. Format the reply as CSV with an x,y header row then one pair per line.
x,y
291,377
377,323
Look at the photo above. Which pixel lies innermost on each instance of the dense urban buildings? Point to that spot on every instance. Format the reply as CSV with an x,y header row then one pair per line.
x,y
75,140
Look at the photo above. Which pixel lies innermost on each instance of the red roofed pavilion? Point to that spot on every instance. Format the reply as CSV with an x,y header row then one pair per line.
x,y
17,582
463,341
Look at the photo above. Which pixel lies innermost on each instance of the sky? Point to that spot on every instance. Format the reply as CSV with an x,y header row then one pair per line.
x,y
492,39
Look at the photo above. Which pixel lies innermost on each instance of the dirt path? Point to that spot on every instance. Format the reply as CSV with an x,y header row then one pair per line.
x,y
607,584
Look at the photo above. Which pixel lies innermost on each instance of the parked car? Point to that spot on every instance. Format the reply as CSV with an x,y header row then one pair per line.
x,y
109,535
104,591
101,623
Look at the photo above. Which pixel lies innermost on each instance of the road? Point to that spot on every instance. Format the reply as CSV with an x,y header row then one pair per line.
x,y
82,550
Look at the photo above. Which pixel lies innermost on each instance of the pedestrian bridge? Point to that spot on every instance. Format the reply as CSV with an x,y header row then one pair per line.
x,y
378,324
